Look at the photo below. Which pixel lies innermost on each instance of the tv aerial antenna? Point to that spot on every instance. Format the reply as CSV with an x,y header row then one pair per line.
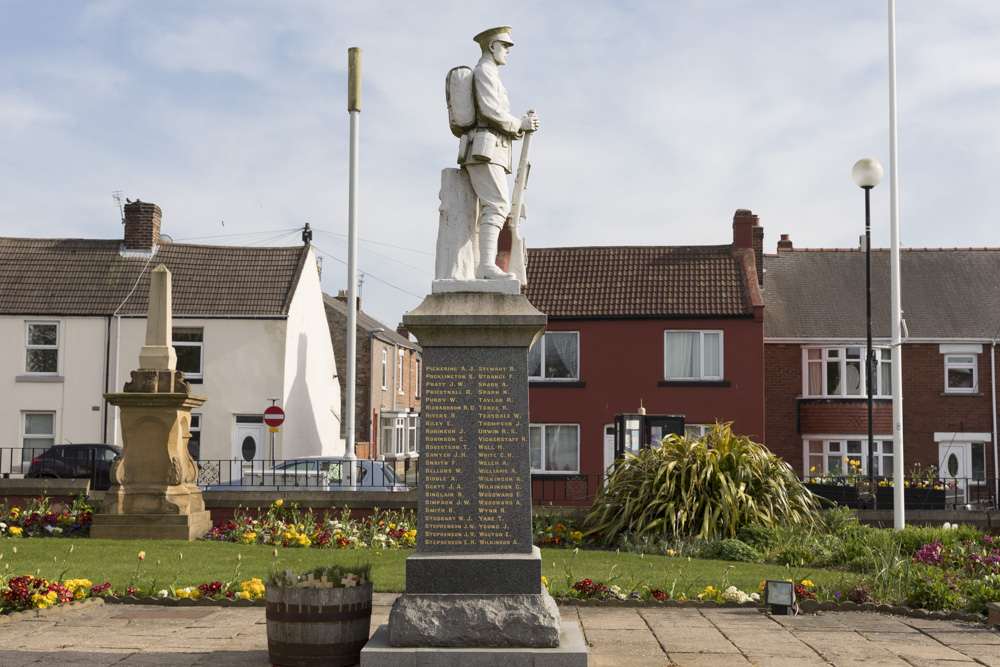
x,y
117,194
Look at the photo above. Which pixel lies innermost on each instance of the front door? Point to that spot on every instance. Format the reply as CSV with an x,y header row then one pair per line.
x,y
955,459
248,439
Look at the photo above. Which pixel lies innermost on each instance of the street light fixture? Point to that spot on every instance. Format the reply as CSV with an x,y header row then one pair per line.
x,y
867,173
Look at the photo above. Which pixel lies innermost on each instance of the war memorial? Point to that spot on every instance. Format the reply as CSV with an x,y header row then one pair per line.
x,y
474,594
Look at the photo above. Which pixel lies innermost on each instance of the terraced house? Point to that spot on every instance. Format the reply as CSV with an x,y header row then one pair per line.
x,y
248,326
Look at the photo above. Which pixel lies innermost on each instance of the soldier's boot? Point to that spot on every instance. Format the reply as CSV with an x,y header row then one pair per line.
x,y
488,269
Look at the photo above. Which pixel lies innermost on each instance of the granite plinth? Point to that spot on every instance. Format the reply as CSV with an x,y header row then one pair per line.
x,y
571,652
525,621
447,286
474,573
151,526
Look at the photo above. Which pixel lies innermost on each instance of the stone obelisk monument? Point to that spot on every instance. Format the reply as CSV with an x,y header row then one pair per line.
x,y
473,585
153,492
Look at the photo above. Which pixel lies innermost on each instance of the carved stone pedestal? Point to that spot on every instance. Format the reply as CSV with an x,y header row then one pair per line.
x,y
153,492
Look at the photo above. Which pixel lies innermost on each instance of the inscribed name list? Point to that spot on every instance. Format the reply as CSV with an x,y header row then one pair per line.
x,y
475,486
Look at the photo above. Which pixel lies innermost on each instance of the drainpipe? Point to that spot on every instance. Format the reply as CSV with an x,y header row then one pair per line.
x,y
114,380
993,386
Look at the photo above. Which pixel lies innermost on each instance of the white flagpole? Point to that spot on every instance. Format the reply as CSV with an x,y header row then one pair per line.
x,y
898,514
354,108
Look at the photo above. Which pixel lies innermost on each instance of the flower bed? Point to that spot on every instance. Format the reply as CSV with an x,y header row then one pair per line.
x,y
40,519
285,525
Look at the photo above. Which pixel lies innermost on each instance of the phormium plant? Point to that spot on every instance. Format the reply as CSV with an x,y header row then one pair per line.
x,y
704,488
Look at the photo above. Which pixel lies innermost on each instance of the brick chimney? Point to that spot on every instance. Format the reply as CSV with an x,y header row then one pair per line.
x,y
747,233
403,331
142,225
785,243
342,296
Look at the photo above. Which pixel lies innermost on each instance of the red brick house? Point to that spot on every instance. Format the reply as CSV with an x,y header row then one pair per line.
x,y
815,385
679,330
387,384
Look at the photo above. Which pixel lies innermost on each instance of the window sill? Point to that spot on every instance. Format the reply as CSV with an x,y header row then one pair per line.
x,y
552,475
694,383
39,378
194,380
963,393
569,384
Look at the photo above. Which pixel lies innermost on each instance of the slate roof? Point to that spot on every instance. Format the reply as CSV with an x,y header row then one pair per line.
x,y
366,323
946,293
90,277
636,282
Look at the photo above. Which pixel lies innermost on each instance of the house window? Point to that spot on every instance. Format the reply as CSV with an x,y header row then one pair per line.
x,y
692,355
555,356
37,434
399,433
840,372
960,373
385,361
42,348
846,456
697,431
399,373
194,442
189,346
554,447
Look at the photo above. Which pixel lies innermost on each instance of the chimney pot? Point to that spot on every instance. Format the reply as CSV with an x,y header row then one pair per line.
x,y
785,243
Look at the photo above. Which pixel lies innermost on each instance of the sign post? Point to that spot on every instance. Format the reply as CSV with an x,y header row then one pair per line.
x,y
273,417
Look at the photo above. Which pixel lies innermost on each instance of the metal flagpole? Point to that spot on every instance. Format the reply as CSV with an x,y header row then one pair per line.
x,y
898,514
354,108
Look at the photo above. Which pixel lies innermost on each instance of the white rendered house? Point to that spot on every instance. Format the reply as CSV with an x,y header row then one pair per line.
x,y
248,325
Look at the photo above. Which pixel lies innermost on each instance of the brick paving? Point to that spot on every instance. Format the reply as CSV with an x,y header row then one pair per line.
x,y
101,635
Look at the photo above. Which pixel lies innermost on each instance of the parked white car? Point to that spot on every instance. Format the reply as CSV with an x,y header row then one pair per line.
x,y
319,473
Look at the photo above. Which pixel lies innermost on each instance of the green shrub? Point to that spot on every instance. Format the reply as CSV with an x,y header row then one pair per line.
x,y
932,588
796,554
707,488
762,538
982,591
732,549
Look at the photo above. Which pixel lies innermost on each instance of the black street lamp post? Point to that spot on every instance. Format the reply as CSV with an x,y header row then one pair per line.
x,y
867,173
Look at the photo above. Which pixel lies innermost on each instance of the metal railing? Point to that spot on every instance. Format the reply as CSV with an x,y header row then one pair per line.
x,y
29,462
567,490
919,492
306,474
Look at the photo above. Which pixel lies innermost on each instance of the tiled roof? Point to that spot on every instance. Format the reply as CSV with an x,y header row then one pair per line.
x,y
640,282
365,323
946,293
90,277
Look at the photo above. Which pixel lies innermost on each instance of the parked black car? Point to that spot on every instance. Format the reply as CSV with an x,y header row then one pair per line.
x,y
91,462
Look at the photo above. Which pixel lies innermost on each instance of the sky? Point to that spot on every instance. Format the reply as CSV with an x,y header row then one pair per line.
x,y
658,120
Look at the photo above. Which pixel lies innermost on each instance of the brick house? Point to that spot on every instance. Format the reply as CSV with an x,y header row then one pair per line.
x,y
387,393
814,347
247,326
679,330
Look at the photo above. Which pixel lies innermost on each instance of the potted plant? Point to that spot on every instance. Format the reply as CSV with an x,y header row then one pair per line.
x,y
320,617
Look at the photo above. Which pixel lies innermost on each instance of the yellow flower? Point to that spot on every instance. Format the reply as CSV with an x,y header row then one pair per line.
x,y
808,584
392,526
545,582
142,555
15,531
278,502
253,589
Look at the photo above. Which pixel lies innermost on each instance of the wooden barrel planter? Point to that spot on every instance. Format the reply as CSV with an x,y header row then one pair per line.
x,y
317,627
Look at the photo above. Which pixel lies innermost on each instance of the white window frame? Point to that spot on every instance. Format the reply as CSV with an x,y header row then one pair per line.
x,y
963,442
200,345
385,361
697,431
700,373
399,433
958,361
28,346
542,441
540,345
399,371
196,428
844,447
29,449
412,433
883,370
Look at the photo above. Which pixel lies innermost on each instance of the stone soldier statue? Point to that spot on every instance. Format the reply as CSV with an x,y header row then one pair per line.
x,y
485,150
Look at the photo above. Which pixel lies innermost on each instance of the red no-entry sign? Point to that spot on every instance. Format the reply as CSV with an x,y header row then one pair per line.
x,y
274,416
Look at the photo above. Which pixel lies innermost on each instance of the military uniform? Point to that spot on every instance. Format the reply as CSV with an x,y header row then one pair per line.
x,y
485,152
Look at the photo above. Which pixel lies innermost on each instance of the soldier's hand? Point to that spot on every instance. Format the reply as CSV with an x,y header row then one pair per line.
x,y
529,122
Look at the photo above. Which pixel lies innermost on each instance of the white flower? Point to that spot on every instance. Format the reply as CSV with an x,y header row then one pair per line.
x,y
162,594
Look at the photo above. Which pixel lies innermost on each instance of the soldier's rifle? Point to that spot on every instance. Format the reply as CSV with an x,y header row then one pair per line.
x,y
518,261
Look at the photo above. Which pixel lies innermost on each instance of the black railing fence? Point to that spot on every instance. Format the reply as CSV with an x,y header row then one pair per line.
x,y
919,492
303,473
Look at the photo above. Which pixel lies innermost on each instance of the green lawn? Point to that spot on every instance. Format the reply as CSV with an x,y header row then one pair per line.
x,y
116,562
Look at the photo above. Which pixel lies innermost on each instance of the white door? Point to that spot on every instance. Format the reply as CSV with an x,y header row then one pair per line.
x,y
609,445
248,439
954,466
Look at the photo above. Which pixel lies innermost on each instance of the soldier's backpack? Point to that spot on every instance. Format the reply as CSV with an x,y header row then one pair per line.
x,y
458,90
